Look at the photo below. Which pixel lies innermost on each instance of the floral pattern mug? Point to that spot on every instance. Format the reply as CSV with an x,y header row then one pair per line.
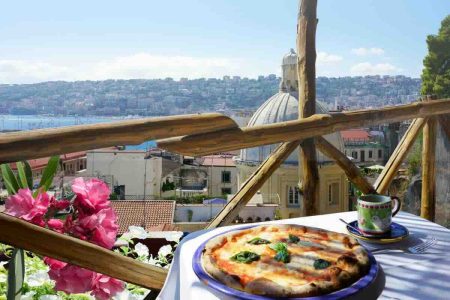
x,y
375,213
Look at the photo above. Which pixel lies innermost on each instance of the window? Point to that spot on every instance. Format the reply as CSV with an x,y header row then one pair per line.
x,y
226,176
293,196
370,153
226,191
333,193
355,154
380,153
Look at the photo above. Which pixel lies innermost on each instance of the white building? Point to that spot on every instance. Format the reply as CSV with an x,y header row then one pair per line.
x,y
283,186
134,174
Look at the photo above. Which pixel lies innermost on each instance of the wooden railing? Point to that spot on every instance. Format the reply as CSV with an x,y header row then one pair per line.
x,y
209,133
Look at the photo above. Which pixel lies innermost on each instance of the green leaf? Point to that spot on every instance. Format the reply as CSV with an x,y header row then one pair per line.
x,y
258,241
282,252
21,176
16,274
49,173
245,257
28,174
9,179
279,247
293,239
283,256
320,264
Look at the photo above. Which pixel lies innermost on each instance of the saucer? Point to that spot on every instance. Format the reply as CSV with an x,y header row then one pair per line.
x,y
397,233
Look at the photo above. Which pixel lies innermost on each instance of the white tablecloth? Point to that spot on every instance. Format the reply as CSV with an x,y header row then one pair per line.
x,y
402,275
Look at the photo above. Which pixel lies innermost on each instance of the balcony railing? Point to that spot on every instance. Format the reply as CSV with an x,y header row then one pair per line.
x,y
210,133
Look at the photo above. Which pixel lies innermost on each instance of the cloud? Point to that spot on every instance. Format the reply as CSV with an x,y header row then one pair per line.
x,y
22,71
324,57
367,51
140,65
144,65
367,68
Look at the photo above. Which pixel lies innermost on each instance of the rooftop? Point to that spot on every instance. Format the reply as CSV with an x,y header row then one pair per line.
x,y
220,160
355,134
151,214
39,163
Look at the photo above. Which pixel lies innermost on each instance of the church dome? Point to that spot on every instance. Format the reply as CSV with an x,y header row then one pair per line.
x,y
283,107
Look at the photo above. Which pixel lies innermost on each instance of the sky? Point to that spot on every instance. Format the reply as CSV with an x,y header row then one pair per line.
x,y
94,40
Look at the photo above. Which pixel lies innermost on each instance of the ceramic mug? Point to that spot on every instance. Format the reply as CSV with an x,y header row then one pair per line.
x,y
375,213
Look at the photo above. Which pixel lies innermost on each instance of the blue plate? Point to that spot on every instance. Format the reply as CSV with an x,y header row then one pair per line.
x,y
397,233
208,280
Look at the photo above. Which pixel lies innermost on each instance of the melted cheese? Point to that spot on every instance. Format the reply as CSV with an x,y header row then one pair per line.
x,y
299,271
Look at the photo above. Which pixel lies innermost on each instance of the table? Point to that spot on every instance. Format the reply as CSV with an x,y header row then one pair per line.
x,y
402,275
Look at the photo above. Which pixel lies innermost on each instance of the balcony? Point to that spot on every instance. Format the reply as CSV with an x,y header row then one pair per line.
x,y
205,134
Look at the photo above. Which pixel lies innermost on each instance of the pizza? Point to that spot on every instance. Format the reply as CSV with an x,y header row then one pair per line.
x,y
285,260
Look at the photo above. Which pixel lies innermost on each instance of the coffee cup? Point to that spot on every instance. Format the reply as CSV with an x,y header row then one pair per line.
x,y
375,213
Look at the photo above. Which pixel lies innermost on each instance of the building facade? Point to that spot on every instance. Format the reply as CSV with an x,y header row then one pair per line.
x,y
283,187
134,174
366,148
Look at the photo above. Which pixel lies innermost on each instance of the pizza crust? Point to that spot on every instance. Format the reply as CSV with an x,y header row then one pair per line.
x,y
347,268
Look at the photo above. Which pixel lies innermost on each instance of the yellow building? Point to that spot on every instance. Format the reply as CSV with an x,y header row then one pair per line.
x,y
283,187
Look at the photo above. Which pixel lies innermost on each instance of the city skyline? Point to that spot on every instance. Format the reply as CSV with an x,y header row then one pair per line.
x,y
148,39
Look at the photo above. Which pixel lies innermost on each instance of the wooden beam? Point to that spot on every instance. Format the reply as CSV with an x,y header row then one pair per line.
x,y
45,142
444,121
306,72
398,156
316,125
227,215
428,199
351,170
24,235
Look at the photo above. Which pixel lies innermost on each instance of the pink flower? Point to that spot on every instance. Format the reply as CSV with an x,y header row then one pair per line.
x,y
24,206
100,228
54,263
59,204
91,195
105,287
56,225
69,278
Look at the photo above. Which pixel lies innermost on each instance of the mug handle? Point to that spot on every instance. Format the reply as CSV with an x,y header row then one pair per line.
x,y
397,205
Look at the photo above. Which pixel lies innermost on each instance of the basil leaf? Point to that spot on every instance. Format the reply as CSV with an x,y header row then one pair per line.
x,y
245,257
293,239
258,241
279,247
320,264
282,252
283,256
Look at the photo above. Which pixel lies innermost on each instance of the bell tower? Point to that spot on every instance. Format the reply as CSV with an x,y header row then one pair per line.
x,y
289,80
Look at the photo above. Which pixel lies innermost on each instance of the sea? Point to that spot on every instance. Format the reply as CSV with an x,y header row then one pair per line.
x,y
30,122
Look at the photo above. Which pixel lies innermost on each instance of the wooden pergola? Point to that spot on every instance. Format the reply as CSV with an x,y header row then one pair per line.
x,y
210,133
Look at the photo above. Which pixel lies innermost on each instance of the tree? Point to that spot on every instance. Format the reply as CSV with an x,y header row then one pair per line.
x,y
436,72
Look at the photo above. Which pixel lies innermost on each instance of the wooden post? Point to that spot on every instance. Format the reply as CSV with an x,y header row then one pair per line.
x,y
24,235
401,151
227,215
428,200
306,69
352,171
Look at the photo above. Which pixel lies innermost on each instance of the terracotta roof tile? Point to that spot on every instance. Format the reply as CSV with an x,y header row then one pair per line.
x,y
222,160
39,163
355,134
134,212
